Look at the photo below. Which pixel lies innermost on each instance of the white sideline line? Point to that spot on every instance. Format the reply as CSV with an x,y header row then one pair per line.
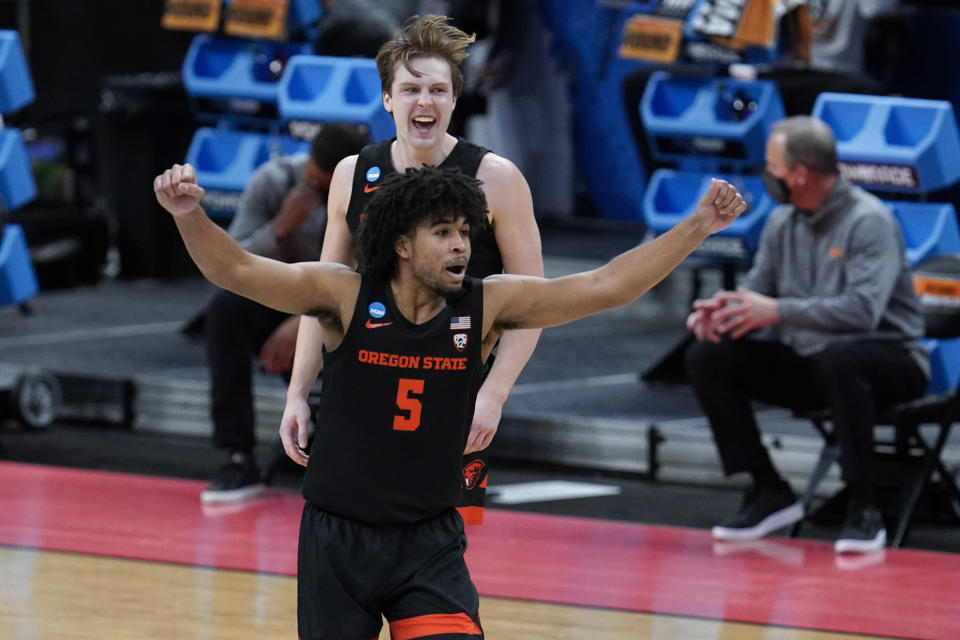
x,y
548,490
576,383
91,334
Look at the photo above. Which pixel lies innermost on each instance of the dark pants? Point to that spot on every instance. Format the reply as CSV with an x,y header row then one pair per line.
x,y
236,329
854,380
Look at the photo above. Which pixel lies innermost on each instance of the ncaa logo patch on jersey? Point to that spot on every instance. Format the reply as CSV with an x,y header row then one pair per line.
x,y
460,341
377,310
373,174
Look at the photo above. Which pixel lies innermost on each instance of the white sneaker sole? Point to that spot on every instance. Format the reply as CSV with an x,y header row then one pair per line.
x,y
853,545
776,520
237,495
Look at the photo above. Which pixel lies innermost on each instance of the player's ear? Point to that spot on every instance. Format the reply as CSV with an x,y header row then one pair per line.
x,y
402,246
387,102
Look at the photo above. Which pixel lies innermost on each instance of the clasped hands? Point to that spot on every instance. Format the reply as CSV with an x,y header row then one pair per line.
x,y
732,313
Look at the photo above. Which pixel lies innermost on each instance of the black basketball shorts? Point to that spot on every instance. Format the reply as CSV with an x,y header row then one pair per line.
x,y
349,574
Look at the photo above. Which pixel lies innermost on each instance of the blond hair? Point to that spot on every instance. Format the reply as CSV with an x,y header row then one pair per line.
x,y
429,36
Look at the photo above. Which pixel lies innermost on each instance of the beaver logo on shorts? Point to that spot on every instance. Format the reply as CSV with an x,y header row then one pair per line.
x,y
473,474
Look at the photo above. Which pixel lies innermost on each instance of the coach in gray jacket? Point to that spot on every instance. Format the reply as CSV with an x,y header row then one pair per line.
x,y
827,317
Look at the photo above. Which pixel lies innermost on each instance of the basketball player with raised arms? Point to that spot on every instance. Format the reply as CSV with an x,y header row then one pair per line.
x,y
405,341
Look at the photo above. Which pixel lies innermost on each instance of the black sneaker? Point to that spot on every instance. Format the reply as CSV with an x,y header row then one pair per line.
x,y
862,531
237,480
762,511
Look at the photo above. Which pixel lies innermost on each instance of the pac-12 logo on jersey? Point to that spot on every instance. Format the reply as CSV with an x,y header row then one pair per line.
x,y
460,341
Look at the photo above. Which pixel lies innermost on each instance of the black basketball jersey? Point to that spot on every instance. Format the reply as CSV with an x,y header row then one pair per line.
x,y
374,164
395,409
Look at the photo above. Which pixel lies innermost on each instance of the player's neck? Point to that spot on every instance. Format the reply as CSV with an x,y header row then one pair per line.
x,y
405,155
415,302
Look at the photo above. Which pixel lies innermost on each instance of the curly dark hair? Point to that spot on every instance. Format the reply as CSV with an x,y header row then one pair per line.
x,y
404,201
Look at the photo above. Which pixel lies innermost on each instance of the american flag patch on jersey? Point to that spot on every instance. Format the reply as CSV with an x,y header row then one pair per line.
x,y
459,322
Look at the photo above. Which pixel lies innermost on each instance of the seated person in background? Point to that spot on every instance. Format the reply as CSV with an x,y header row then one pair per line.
x,y
282,215
831,276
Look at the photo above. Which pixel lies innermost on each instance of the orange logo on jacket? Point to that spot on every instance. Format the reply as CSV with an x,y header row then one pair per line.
x,y
835,252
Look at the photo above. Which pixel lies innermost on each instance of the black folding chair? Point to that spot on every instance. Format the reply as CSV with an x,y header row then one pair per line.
x,y
940,411
938,283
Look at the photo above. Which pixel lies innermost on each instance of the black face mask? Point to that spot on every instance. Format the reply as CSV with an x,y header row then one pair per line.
x,y
776,187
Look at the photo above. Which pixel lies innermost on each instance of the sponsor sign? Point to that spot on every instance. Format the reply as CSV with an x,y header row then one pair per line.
x,y
191,15
651,38
257,19
875,173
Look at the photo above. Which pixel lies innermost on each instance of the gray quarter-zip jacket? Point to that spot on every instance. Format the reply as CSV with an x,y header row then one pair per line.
x,y
839,273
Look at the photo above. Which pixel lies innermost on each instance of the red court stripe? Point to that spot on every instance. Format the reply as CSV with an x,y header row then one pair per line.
x,y
633,567
147,518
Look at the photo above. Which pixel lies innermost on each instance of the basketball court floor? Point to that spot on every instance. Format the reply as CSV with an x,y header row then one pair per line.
x,y
92,554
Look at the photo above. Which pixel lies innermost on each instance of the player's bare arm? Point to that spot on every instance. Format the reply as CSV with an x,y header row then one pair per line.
x,y
299,288
511,215
518,238
308,357
516,302
337,248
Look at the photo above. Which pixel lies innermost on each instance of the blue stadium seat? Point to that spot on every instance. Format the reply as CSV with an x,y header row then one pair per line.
x,y
887,143
224,160
671,196
709,124
325,88
944,363
230,79
929,229
17,187
18,282
16,85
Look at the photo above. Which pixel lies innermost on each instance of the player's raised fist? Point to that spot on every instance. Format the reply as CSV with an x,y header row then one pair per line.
x,y
177,190
719,206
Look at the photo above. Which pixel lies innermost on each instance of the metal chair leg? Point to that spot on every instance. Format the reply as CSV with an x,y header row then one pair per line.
x,y
828,455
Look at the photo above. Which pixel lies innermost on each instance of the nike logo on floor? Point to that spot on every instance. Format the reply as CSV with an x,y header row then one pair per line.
x,y
377,325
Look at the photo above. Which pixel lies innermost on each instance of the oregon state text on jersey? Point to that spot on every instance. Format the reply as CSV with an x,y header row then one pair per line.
x,y
395,410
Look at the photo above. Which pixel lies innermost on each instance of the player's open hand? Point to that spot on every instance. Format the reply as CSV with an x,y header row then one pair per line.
x,y
177,190
295,430
486,419
719,206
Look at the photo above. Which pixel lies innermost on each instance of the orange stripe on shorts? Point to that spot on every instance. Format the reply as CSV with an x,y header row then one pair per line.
x,y
433,625
471,515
